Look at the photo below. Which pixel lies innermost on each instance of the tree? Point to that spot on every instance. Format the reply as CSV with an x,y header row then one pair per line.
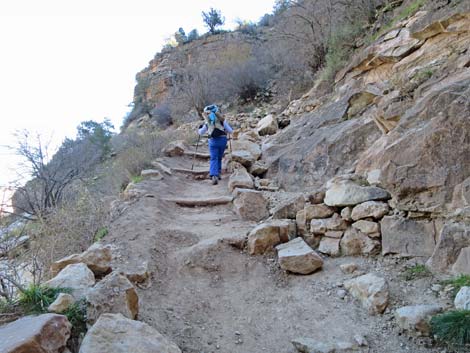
x,y
98,134
212,19
180,36
193,35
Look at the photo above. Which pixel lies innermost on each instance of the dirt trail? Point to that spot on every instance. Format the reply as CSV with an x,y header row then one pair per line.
x,y
210,296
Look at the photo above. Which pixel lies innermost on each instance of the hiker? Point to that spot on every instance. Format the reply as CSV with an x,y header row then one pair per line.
x,y
217,128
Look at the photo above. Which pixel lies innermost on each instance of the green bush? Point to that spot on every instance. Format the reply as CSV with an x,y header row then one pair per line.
x,y
415,272
340,48
36,299
101,233
76,314
452,328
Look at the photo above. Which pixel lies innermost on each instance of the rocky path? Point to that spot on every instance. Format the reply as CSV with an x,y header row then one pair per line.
x,y
208,295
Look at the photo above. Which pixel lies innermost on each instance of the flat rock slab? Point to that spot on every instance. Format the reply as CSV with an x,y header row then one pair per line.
x,y
348,193
211,201
310,345
407,237
47,333
195,172
117,334
298,257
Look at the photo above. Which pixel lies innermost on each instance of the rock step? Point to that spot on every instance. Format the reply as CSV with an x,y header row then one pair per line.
x,y
198,155
195,172
212,201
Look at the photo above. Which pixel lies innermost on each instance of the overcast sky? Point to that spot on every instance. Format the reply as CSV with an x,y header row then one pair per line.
x,y
66,61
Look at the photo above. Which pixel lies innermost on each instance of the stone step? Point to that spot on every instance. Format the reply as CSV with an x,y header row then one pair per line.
x,y
195,172
210,201
198,155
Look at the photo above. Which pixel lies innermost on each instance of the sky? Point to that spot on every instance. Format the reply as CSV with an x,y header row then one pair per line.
x,y
67,61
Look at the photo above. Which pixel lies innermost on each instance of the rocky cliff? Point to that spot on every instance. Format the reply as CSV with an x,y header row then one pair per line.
x,y
399,116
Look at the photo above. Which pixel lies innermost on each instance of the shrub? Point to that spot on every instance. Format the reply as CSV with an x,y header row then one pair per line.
x,y
452,328
100,234
36,299
193,35
415,272
162,115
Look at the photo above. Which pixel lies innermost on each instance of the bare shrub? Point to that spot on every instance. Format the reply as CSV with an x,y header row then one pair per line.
x,y
162,115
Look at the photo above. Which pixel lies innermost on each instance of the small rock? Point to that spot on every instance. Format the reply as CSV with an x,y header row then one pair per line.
x,y
348,268
329,246
269,234
346,213
374,209
366,227
297,257
371,291
61,304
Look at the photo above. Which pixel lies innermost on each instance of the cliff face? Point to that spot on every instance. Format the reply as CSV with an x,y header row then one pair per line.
x,y
155,82
399,116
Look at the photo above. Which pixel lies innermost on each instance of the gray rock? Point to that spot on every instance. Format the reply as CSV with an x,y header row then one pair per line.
x,y
462,299
375,209
251,205
269,234
62,303
289,209
329,246
240,179
116,333
462,264
318,211
267,126
113,294
355,242
77,277
452,239
348,193
415,318
366,227
47,333
371,291
310,345
297,257
407,237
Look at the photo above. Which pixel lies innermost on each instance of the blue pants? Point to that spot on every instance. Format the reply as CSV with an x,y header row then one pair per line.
x,y
217,146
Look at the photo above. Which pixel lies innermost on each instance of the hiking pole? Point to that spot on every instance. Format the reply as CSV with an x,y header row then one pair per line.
x,y
194,155
230,145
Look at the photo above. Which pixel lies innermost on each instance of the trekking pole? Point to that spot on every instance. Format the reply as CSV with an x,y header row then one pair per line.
x,y
194,155
230,145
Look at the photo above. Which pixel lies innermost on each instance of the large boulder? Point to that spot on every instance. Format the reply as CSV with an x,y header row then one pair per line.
x,y
371,290
462,265
251,205
416,160
452,239
375,209
407,237
97,257
240,179
268,125
415,318
245,152
269,234
175,148
47,333
348,193
297,257
462,299
78,277
114,294
118,334
289,209
355,242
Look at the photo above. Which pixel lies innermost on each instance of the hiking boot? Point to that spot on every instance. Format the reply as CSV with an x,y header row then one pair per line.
x,y
215,180
219,177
